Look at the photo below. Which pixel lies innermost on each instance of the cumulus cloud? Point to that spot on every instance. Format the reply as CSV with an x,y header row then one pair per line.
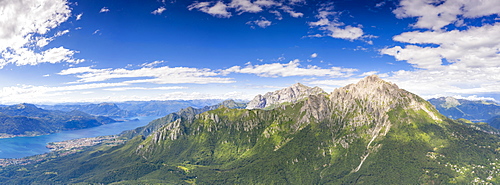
x,y
380,4
459,61
219,9
79,16
472,48
292,13
314,55
144,88
202,96
328,21
224,10
245,6
290,69
368,73
104,9
159,11
152,64
25,28
31,93
435,16
263,23
161,75
448,81
328,84
298,1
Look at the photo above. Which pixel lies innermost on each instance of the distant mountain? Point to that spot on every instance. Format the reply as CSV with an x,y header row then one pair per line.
x,y
133,108
494,122
477,111
370,132
162,108
291,94
186,114
102,109
29,120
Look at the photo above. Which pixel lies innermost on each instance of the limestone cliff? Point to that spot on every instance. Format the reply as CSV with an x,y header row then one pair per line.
x,y
287,95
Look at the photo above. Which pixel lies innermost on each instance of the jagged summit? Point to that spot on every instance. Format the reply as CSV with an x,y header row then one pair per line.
x,y
25,105
374,81
298,91
290,94
371,78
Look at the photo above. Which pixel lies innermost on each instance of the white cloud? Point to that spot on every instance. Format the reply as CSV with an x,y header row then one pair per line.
x,y
448,81
201,96
267,3
30,93
290,69
277,14
348,32
368,73
327,84
43,41
152,64
217,10
292,13
474,98
161,75
159,11
263,23
61,33
223,10
456,61
282,58
24,56
79,16
104,9
245,6
380,4
314,55
24,26
435,16
297,1
329,22
144,88
472,48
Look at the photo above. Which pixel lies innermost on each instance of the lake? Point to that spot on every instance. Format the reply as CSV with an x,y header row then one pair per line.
x,y
19,147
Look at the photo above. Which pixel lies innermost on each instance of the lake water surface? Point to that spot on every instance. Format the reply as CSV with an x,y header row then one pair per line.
x,y
19,147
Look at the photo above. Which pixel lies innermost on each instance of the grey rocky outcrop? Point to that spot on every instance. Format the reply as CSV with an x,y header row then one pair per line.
x,y
290,94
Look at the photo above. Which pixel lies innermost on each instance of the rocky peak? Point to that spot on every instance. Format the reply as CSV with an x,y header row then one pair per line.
x,y
25,105
290,94
450,102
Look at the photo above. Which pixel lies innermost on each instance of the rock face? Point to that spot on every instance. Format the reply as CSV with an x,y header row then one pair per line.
x,y
287,95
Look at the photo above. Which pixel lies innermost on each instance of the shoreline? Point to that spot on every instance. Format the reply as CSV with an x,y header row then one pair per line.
x,y
62,148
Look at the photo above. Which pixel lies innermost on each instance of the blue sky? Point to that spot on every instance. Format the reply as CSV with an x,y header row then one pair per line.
x,y
56,51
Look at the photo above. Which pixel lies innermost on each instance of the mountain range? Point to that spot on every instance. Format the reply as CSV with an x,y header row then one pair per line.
x,y
133,108
371,132
28,120
474,110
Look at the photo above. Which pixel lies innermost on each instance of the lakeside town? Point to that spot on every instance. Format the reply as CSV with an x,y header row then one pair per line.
x,y
62,148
